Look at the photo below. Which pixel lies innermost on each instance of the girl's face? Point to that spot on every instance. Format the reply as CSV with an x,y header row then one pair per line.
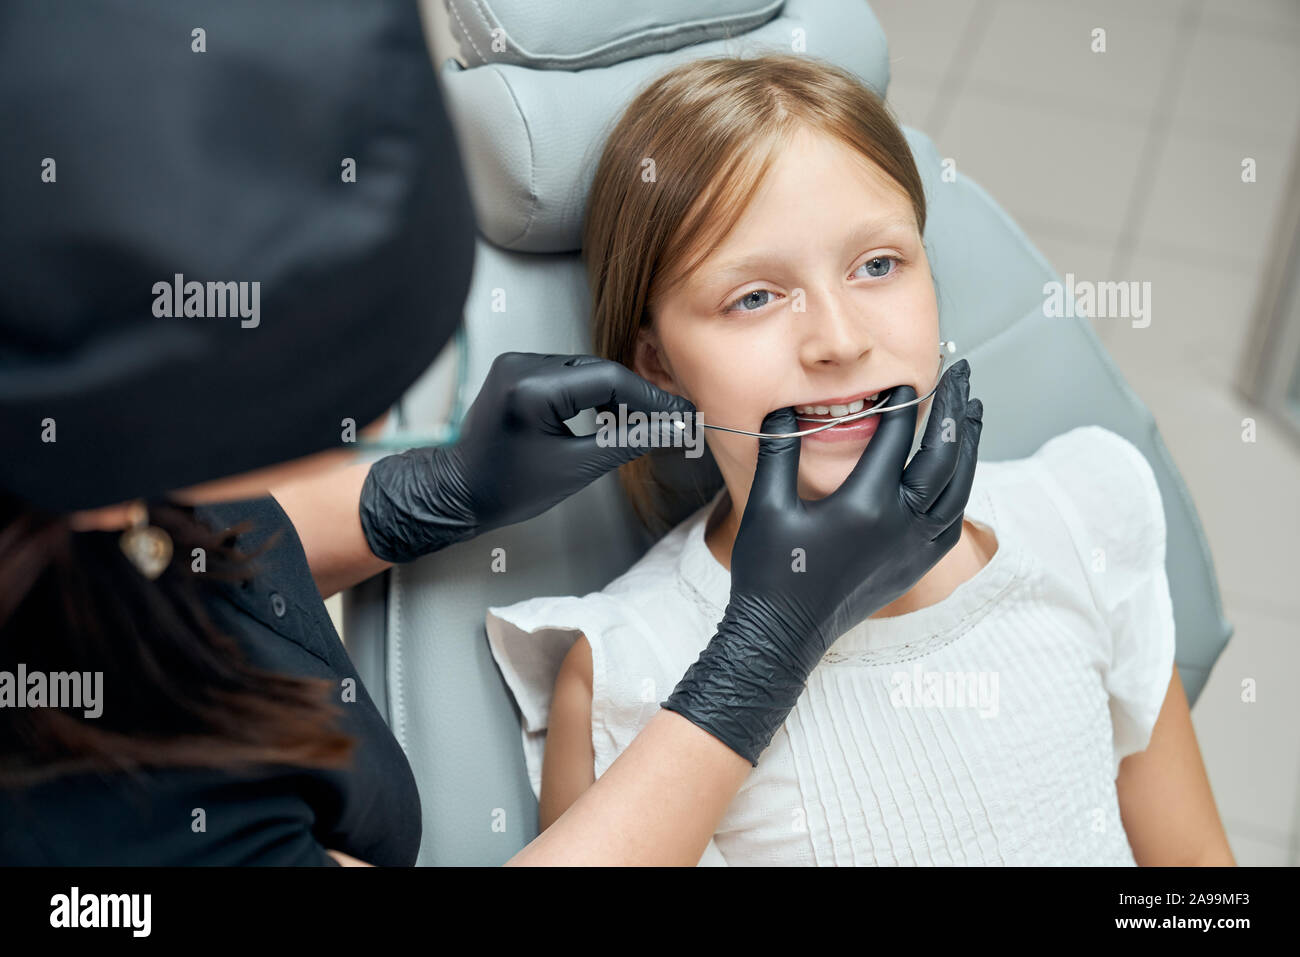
x,y
820,296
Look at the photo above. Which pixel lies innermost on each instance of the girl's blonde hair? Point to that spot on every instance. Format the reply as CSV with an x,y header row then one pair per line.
x,y
676,175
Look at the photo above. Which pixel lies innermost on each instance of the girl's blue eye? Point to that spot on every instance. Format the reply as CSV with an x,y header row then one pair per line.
x,y
750,303
876,261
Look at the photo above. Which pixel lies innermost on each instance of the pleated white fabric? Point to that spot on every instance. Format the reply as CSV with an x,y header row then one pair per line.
x,y
984,729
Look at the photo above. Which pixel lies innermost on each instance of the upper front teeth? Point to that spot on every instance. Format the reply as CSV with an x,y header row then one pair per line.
x,y
857,405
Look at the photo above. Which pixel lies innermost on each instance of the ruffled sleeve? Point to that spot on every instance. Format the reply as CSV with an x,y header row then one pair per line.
x,y
529,640
1108,495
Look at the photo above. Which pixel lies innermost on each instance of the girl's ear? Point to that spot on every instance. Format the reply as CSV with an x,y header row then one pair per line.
x,y
649,362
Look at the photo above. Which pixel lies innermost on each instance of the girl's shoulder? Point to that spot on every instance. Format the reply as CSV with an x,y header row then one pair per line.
x,y
1090,504
1104,489
1092,479
1108,494
1087,506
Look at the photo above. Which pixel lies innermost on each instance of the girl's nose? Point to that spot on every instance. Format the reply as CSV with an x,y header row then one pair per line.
x,y
831,331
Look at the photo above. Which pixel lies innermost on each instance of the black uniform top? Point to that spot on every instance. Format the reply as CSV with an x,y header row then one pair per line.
x,y
280,815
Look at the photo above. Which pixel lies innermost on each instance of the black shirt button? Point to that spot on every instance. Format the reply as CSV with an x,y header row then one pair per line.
x,y
277,604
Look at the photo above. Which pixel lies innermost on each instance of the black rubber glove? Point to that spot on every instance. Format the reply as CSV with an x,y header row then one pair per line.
x,y
865,545
515,459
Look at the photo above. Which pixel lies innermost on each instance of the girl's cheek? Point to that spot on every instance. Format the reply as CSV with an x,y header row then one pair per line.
x,y
735,449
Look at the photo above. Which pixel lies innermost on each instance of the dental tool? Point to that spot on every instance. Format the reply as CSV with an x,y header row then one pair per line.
x,y
823,424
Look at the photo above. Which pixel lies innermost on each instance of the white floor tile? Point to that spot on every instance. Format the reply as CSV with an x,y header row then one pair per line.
x,y
925,36
1162,11
1250,748
1199,208
1253,852
1240,83
1043,54
1275,16
1085,257
1200,310
1045,165
913,102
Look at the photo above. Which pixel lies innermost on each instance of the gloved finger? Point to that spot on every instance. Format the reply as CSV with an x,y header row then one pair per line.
x,y
590,382
946,540
931,469
776,476
880,466
952,502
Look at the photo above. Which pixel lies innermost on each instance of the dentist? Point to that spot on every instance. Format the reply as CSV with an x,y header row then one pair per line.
x,y
175,501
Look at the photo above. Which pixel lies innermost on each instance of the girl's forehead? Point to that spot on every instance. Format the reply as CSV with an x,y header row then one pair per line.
x,y
813,180
779,223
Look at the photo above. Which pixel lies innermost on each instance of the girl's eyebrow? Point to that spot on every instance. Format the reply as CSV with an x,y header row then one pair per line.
x,y
865,231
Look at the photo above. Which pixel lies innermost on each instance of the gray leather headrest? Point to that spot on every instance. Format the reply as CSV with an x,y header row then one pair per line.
x,y
545,37
532,137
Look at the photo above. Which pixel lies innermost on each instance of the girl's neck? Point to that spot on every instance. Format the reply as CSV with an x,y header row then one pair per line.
x,y
720,531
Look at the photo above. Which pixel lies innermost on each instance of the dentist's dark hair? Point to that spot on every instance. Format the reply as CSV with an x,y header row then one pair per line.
x,y
712,128
176,690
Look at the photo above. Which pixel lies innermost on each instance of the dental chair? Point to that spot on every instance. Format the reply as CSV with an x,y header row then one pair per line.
x,y
542,87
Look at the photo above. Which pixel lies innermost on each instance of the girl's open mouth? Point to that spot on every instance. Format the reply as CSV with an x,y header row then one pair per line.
x,y
857,431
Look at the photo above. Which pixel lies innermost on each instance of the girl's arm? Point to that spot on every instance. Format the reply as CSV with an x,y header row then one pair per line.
x,y
659,803
1165,799
568,768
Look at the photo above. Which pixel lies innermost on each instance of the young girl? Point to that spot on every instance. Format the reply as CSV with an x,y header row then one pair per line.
x,y
754,241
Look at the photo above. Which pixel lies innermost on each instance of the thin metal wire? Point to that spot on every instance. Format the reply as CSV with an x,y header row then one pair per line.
x,y
838,420
449,433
